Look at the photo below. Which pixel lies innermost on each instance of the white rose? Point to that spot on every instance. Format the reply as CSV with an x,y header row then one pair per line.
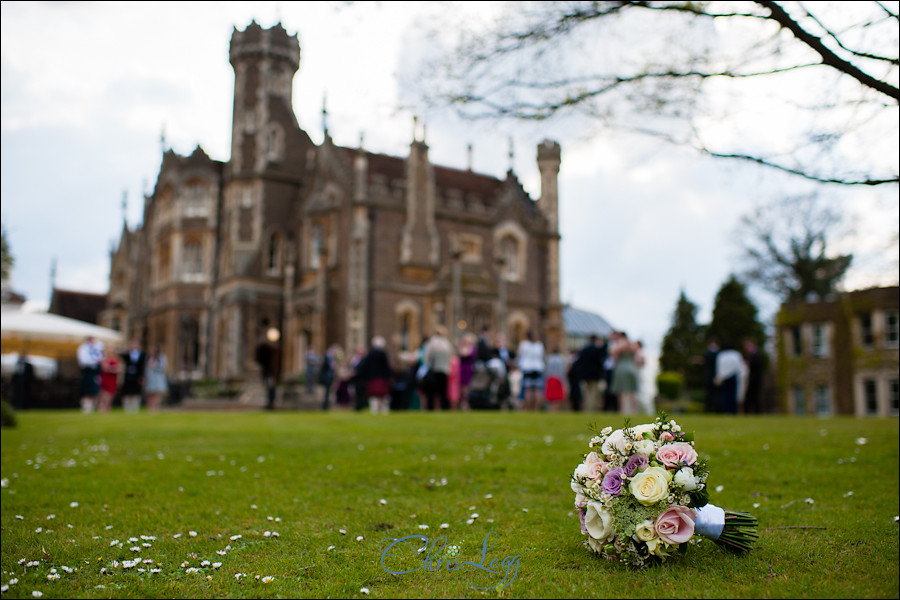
x,y
598,522
686,480
582,471
615,443
577,488
645,447
644,531
640,430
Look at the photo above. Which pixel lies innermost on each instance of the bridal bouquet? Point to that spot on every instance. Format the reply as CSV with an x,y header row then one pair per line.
x,y
641,495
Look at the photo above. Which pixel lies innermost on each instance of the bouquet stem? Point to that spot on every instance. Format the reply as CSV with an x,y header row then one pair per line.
x,y
739,533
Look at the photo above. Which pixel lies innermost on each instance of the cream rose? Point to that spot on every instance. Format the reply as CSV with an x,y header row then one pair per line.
x,y
644,531
598,522
650,486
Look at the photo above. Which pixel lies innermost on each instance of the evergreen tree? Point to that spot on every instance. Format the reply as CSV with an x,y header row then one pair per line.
x,y
734,317
7,257
683,344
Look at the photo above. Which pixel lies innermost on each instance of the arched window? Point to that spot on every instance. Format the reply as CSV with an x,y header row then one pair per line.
x,y
509,254
510,250
408,336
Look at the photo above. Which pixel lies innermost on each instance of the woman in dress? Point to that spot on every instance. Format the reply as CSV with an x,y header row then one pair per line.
x,y
156,384
530,360
109,379
625,379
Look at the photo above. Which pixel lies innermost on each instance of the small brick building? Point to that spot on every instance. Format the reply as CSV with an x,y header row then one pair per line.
x,y
840,355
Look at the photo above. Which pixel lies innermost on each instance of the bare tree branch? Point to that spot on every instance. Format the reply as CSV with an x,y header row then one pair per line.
x,y
550,60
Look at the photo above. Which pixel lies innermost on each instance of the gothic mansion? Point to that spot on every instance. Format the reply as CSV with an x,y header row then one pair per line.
x,y
299,245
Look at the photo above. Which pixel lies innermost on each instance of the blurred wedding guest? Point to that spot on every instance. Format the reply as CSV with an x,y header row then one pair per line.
x,y
133,361
438,352
328,371
468,356
22,382
109,379
626,380
730,378
156,384
89,354
530,360
484,346
375,370
555,377
453,384
312,365
357,382
592,371
574,379
755,368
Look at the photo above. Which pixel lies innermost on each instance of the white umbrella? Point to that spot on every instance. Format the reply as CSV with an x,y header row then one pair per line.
x,y
49,335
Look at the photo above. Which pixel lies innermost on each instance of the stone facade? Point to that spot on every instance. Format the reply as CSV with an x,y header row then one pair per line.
x,y
840,356
295,245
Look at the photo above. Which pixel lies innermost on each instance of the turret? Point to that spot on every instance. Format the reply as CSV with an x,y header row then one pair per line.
x,y
264,62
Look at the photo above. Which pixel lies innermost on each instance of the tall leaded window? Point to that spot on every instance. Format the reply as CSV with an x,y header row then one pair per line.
x,y
796,341
192,260
823,400
316,246
799,398
273,257
866,335
894,397
820,340
891,329
509,253
870,396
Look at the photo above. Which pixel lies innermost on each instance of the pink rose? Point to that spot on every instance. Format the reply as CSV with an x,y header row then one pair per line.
x,y
666,436
676,454
676,525
596,466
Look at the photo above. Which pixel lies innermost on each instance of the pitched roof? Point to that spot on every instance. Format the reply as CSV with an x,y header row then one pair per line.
x,y
77,305
583,323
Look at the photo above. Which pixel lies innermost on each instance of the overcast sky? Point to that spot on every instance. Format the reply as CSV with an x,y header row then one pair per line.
x,y
88,88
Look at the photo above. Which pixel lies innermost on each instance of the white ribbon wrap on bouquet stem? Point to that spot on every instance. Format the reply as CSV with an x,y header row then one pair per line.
x,y
710,521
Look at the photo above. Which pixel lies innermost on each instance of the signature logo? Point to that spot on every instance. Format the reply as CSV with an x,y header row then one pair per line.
x,y
417,553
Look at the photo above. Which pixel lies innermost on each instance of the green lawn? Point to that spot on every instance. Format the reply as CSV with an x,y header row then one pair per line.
x,y
312,501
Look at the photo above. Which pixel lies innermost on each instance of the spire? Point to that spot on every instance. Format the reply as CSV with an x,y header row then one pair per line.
x,y
512,154
125,208
469,158
52,277
324,115
162,138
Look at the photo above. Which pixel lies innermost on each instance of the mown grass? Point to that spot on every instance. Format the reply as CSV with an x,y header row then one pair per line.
x,y
826,502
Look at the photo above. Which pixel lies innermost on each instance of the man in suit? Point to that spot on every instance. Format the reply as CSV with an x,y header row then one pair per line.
x,y
133,361
592,373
